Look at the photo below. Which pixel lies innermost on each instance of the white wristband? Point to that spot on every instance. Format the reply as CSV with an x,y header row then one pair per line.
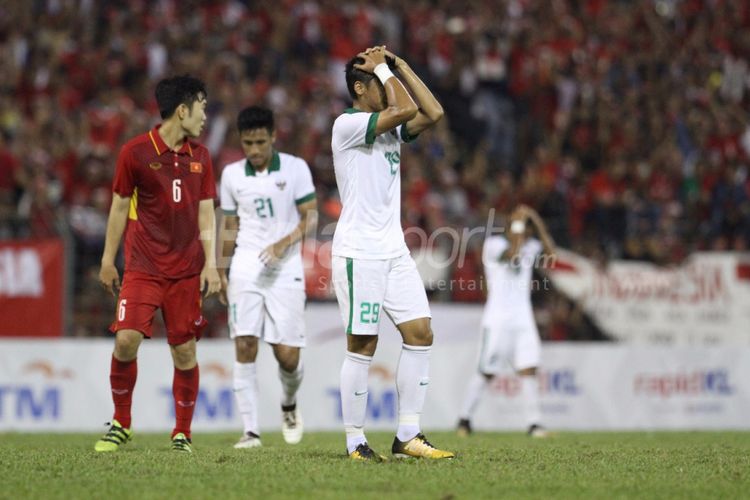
x,y
517,227
383,72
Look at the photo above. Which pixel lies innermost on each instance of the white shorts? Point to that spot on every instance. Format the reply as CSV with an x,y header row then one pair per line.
x,y
275,314
517,346
366,288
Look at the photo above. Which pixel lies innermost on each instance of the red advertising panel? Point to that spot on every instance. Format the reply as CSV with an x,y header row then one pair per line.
x,y
31,288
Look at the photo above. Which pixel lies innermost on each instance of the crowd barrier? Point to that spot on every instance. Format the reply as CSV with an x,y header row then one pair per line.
x,y
62,384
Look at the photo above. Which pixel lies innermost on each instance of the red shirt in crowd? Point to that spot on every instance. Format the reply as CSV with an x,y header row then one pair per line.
x,y
165,186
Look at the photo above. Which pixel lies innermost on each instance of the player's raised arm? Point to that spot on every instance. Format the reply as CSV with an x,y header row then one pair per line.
x,y
430,111
516,234
118,217
541,229
399,106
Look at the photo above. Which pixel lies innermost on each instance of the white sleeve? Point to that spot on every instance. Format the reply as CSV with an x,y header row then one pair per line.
x,y
354,129
493,249
227,200
304,190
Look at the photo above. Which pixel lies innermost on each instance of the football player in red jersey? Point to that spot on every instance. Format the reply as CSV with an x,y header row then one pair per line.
x,y
163,200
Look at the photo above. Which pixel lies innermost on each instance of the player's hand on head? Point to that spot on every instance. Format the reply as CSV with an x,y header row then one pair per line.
x,y
519,213
530,213
210,281
377,54
109,278
368,66
372,56
392,59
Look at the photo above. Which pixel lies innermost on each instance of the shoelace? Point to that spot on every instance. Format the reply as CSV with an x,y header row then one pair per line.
x,y
424,440
115,434
365,450
290,419
181,444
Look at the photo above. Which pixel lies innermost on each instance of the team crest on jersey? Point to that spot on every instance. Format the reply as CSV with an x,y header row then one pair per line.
x,y
196,167
155,165
281,185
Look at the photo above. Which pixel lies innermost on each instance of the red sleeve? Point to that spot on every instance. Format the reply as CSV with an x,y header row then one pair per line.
x,y
208,184
124,182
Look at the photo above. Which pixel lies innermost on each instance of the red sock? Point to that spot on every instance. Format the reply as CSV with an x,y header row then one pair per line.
x,y
185,391
122,376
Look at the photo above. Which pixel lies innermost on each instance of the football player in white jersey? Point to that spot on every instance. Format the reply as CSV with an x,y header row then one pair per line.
x,y
509,333
268,202
373,273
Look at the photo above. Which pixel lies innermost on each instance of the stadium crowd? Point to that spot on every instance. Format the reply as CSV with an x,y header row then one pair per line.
x,y
624,123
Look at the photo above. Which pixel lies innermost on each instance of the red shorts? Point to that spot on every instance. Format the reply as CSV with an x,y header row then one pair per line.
x,y
179,300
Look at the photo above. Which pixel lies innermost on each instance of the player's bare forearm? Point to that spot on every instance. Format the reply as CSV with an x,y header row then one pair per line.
x,y
308,213
430,110
429,106
400,107
516,233
547,242
210,281
118,218
228,228
207,229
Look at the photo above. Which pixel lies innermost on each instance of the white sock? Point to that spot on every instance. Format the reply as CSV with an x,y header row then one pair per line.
x,y
477,384
530,395
246,392
412,379
354,372
290,382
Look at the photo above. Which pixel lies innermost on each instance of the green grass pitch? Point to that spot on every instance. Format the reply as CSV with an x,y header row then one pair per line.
x,y
489,465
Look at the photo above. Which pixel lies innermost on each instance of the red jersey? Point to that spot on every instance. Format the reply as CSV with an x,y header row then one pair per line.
x,y
165,188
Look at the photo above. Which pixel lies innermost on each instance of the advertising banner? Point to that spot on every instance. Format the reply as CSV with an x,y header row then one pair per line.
x,y
706,300
63,384
31,288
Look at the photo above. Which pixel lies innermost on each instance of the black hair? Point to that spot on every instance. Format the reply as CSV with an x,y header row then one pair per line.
x,y
356,75
255,117
171,92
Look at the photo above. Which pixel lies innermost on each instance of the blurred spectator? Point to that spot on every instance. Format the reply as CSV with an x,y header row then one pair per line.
x,y
624,123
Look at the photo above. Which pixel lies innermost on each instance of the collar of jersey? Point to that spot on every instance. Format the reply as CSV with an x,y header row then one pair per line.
x,y
353,110
161,146
275,165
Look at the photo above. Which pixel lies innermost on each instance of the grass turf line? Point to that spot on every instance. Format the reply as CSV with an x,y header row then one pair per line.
x,y
489,465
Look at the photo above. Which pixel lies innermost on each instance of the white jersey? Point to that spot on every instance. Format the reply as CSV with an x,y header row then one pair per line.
x,y
509,286
266,203
369,182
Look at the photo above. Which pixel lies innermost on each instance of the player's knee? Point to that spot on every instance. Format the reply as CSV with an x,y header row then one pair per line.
x,y
246,349
288,364
126,344
183,355
362,344
527,372
421,336
288,358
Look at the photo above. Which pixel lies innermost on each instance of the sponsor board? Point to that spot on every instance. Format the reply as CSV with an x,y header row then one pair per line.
x,y
63,384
